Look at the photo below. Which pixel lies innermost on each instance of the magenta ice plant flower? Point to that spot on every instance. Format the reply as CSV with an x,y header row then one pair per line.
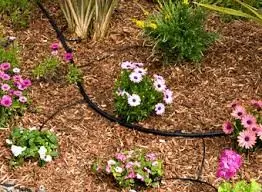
x,y
5,66
22,99
5,87
6,101
68,56
229,164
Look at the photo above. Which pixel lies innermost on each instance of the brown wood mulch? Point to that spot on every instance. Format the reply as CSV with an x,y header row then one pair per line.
x,y
230,69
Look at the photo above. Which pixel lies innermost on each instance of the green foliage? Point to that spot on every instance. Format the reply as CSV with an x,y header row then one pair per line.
x,y
145,89
240,186
135,169
16,11
74,74
9,55
48,68
31,141
178,30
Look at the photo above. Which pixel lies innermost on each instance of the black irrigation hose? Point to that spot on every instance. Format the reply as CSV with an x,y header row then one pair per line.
x,y
200,171
112,118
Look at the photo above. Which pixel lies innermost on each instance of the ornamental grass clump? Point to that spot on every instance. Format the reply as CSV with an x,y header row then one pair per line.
x,y
137,95
246,126
32,144
178,30
134,169
13,96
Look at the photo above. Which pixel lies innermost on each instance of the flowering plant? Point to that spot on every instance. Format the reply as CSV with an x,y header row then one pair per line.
x,y
137,95
240,186
13,98
246,128
32,144
135,169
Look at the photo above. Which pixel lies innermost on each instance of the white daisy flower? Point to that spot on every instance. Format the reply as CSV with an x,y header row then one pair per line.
x,y
168,96
159,86
111,162
138,64
134,100
155,163
160,109
17,150
127,65
140,71
135,77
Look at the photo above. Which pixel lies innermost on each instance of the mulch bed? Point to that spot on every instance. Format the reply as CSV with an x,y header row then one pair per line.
x,y
230,69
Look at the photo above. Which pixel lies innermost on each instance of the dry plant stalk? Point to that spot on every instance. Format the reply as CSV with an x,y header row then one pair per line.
x,y
103,13
79,15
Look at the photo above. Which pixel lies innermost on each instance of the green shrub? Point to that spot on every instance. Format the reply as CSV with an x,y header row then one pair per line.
x,y
32,144
9,55
136,99
178,31
240,186
48,68
16,11
74,74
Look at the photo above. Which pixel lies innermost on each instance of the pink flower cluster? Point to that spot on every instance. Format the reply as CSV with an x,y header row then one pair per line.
x,y
12,85
229,164
136,76
251,129
68,56
131,165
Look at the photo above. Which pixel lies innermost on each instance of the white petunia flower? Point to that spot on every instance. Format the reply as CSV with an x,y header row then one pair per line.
x,y
48,158
8,141
135,77
42,152
118,169
17,150
16,70
134,100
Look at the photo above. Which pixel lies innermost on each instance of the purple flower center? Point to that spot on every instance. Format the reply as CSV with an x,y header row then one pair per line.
x,y
159,108
254,129
158,85
249,122
247,138
134,100
135,77
239,113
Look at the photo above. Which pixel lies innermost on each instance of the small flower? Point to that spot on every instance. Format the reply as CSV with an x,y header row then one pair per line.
x,y
134,100
127,65
68,56
122,93
138,64
17,150
120,157
47,158
248,121
160,108
255,129
138,176
228,127
246,139
22,99
5,87
118,169
5,77
234,104
11,38
257,104
111,162
238,112
8,141
27,83
140,71
129,165
18,93
6,101
159,86
5,66
151,156
131,175
16,70
155,163
168,96
159,78
54,46
135,77
42,152
108,169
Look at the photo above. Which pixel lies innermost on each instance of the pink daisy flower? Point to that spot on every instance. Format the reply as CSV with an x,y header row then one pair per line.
x,y
259,132
234,104
238,112
228,127
246,139
257,104
248,121
255,129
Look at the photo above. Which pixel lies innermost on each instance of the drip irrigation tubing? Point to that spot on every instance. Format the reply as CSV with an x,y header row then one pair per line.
x,y
95,107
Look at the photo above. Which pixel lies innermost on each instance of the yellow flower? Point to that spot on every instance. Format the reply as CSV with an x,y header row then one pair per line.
x,y
152,25
139,23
